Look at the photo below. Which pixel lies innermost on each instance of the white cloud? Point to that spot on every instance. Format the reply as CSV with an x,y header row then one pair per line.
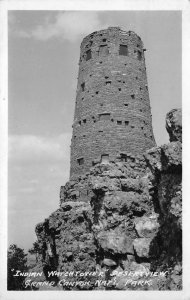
x,y
69,25
31,148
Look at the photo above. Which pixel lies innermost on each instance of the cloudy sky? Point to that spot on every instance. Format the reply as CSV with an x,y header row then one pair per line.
x,y
43,67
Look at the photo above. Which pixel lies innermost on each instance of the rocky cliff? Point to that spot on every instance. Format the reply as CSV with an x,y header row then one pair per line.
x,y
118,227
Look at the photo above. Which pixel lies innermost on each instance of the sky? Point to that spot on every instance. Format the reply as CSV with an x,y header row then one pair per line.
x,y
44,48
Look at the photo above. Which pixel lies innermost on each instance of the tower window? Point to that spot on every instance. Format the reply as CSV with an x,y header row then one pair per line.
x,y
88,54
83,86
80,123
139,55
84,121
104,117
123,50
80,161
123,157
103,50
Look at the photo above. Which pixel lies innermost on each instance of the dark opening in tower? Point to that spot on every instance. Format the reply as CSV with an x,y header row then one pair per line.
x,y
123,50
139,55
88,54
80,161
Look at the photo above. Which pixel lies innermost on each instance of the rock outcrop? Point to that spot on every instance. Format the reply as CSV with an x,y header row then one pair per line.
x,y
119,226
174,125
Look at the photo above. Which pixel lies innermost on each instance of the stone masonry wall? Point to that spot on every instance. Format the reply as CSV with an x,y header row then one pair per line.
x,y
112,110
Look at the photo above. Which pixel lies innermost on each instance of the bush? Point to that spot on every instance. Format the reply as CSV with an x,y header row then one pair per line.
x,y
16,261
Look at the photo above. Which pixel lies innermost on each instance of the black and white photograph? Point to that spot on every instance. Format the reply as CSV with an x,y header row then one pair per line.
x,y
94,152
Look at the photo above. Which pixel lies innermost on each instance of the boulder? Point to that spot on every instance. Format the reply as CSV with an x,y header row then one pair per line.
x,y
142,246
115,242
147,226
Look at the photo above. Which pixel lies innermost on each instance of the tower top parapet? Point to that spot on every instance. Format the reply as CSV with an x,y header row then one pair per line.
x,y
109,31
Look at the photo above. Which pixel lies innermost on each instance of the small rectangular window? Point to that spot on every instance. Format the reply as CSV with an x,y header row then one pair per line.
x,y
80,161
83,86
133,96
139,55
84,121
88,54
123,157
123,50
119,122
104,117
126,123
108,82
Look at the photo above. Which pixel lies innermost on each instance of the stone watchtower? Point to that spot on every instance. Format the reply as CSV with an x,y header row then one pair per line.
x,y
112,110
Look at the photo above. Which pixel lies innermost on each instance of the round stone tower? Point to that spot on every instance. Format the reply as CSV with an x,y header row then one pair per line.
x,y
112,110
